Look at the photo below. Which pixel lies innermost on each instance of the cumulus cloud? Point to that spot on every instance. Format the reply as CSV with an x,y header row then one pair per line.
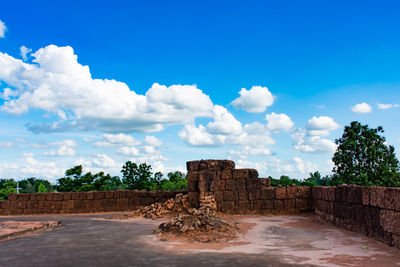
x,y
8,93
64,148
309,139
3,29
257,99
362,108
103,161
224,122
279,122
58,84
197,136
24,51
29,166
387,106
321,126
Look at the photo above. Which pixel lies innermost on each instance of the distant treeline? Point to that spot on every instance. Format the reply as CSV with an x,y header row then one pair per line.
x,y
134,176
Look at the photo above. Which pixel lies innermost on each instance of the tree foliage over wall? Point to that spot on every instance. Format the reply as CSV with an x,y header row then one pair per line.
x,y
362,157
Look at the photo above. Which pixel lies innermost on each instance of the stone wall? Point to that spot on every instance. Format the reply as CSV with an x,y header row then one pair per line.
x,y
372,211
82,202
240,191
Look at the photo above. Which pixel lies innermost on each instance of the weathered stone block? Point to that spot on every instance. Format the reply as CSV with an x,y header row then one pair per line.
x,y
291,192
253,184
280,192
391,199
268,205
226,174
241,174
390,221
243,195
240,185
301,204
377,196
192,186
12,196
304,192
229,196
256,205
193,199
58,196
219,196
267,193
204,186
192,166
254,195
265,182
278,204
120,194
243,206
289,204
193,176
354,194
217,185
365,195
230,185
228,206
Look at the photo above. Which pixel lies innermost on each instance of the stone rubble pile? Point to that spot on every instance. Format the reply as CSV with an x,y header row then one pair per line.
x,y
200,225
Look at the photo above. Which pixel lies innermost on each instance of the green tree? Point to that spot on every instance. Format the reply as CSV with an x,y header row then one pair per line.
x,y
176,181
363,158
42,188
136,176
315,179
7,186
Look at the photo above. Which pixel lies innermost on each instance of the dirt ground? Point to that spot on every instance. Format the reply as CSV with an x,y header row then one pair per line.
x,y
94,239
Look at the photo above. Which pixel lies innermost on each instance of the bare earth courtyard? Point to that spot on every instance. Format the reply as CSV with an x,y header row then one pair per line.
x,y
95,240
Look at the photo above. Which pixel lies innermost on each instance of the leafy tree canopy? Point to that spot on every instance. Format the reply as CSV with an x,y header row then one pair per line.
x,y
363,158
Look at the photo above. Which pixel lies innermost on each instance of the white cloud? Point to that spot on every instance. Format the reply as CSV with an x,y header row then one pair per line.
x,y
278,122
387,106
304,167
152,141
28,166
310,141
224,122
116,140
196,136
362,108
6,144
58,84
305,142
321,126
7,94
3,29
103,161
64,148
24,51
257,99
128,151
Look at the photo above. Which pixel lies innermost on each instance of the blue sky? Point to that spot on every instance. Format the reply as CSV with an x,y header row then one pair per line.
x,y
100,83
